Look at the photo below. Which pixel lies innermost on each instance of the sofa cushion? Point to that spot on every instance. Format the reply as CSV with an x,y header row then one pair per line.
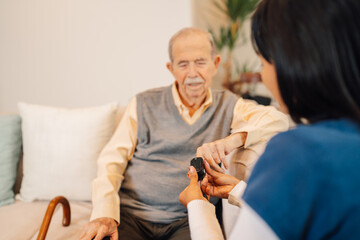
x,y
13,224
60,149
10,147
21,220
80,215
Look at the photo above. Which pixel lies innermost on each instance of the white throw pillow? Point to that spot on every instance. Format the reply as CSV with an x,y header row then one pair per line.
x,y
60,149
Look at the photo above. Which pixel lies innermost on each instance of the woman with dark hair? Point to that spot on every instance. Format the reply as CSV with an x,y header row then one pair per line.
x,y
306,185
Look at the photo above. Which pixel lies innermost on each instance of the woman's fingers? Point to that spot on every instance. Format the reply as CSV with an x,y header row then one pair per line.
x,y
192,175
192,191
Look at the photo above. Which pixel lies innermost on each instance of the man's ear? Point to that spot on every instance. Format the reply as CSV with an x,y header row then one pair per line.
x,y
217,60
169,66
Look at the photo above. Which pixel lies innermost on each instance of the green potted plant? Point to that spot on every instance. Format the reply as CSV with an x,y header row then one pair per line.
x,y
232,36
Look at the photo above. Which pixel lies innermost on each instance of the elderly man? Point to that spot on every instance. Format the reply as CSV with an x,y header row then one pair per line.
x,y
143,168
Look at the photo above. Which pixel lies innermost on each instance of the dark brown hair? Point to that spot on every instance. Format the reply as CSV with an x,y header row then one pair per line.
x,y
315,47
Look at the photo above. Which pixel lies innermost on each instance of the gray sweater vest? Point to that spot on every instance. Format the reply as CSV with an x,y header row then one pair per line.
x,y
156,174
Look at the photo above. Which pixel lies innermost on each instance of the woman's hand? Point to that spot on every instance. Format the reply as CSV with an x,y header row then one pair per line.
x,y
217,184
192,191
215,152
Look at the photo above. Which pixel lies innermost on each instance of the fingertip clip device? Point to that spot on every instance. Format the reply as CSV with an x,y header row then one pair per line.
x,y
198,164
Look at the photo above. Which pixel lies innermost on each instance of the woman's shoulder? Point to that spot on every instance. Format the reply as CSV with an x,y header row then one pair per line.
x,y
324,132
323,141
310,165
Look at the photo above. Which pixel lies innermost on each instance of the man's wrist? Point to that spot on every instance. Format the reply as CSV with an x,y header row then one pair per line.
x,y
237,140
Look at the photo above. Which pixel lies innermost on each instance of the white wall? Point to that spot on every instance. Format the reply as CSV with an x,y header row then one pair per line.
x,y
78,53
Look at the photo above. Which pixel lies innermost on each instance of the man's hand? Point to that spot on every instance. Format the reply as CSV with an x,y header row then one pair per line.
x,y
100,228
217,184
214,153
192,191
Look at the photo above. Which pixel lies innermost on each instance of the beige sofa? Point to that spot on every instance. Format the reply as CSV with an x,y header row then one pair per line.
x,y
23,220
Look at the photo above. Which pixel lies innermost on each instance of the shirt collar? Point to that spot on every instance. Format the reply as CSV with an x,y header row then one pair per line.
x,y
181,105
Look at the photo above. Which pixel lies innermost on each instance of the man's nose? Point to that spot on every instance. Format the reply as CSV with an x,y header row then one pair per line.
x,y
192,71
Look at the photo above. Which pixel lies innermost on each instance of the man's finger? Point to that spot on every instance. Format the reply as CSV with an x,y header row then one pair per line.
x,y
221,151
215,152
226,165
83,233
209,159
206,155
114,236
99,236
199,152
222,155
217,168
88,235
212,172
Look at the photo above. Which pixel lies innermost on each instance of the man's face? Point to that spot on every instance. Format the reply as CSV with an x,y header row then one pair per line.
x,y
193,67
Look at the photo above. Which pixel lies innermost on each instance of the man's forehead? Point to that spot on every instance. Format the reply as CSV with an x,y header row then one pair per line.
x,y
191,48
192,39
193,57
